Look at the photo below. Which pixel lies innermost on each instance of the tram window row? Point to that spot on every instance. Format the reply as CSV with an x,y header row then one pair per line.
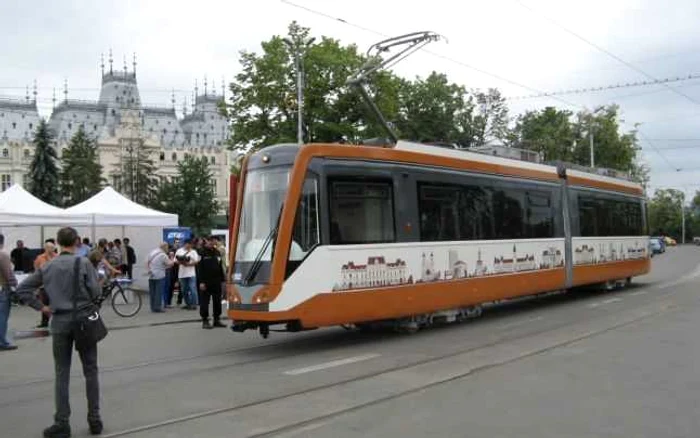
x,y
608,215
452,212
463,207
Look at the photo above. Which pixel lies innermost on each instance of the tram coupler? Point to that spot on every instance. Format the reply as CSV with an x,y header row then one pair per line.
x,y
240,327
264,330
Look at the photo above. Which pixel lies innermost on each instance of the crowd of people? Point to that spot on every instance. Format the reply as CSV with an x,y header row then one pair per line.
x,y
194,271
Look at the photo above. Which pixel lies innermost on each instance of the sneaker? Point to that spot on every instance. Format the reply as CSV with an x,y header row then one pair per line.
x,y
95,427
57,431
218,323
206,325
8,347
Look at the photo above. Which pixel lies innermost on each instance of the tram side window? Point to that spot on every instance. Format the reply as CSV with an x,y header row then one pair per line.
x,y
361,212
508,213
539,214
587,210
439,211
476,218
606,216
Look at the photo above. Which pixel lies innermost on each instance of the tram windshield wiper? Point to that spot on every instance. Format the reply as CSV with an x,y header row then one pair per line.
x,y
257,263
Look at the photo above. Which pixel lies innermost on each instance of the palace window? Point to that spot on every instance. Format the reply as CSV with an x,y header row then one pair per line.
x,y
5,153
213,160
162,156
5,181
14,125
26,153
31,126
174,156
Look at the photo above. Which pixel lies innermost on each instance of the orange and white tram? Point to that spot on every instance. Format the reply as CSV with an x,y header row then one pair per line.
x,y
328,234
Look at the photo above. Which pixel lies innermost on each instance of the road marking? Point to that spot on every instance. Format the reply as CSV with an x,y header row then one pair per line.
x,y
331,364
639,292
517,323
604,302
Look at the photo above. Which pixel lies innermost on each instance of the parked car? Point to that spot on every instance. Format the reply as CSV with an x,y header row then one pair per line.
x,y
655,246
696,240
669,241
662,242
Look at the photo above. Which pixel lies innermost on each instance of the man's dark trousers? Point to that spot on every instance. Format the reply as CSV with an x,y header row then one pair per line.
x,y
62,354
213,292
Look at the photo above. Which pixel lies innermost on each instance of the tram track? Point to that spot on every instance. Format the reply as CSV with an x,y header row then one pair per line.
x,y
247,409
299,347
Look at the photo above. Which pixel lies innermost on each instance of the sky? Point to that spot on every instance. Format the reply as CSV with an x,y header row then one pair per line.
x,y
521,47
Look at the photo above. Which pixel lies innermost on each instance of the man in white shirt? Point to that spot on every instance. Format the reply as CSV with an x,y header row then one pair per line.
x,y
187,259
158,263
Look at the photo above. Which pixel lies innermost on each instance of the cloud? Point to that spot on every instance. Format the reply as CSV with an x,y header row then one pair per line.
x,y
179,41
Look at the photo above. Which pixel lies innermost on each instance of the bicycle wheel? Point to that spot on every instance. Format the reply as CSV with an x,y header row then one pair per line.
x,y
126,303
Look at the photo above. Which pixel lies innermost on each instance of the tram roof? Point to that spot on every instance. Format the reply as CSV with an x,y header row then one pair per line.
x,y
576,177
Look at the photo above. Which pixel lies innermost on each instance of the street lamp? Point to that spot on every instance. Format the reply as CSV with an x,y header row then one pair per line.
x,y
296,48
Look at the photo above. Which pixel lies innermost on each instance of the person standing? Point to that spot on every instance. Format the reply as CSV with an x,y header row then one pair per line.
x,y
83,248
21,258
187,259
7,283
210,275
43,258
170,281
157,265
119,255
130,257
57,278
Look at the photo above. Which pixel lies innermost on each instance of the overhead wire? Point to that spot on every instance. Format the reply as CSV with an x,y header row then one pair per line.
x,y
604,50
430,52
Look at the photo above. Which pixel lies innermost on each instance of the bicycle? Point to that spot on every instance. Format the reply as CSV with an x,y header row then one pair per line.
x,y
125,302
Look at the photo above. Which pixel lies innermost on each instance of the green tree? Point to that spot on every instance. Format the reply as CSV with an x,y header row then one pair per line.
x,y
434,110
81,172
263,106
612,149
191,194
135,174
43,170
548,131
665,212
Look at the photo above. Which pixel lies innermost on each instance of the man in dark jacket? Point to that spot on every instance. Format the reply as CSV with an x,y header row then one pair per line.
x,y
130,257
210,275
22,258
57,279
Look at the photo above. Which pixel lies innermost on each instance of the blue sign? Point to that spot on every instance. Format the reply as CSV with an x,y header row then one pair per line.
x,y
180,233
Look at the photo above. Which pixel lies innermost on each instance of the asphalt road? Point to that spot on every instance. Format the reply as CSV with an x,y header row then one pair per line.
x,y
581,364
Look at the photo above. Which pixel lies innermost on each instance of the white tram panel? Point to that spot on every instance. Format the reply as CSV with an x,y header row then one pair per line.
x,y
597,250
348,268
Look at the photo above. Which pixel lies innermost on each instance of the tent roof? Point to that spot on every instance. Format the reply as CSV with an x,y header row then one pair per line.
x,y
19,207
111,208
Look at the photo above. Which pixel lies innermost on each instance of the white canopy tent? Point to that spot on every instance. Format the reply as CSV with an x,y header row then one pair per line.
x,y
112,215
18,207
24,217
109,208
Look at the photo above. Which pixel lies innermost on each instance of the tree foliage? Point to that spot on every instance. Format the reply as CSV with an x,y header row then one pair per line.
x,y
136,175
562,135
263,106
43,170
664,212
191,194
81,172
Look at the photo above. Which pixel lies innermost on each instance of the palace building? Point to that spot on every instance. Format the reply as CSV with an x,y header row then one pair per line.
x,y
119,123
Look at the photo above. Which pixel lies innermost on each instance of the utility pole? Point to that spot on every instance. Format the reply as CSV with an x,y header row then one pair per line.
x,y
296,48
590,135
683,218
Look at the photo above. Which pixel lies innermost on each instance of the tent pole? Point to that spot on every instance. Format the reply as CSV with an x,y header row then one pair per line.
x,y
41,234
94,239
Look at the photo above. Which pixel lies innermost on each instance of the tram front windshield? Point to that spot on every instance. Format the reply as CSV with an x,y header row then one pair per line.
x,y
263,197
